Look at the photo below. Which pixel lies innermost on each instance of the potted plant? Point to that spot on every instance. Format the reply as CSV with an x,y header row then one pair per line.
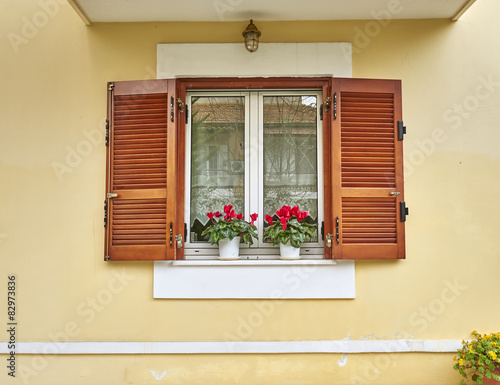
x,y
479,359
228,230
289,230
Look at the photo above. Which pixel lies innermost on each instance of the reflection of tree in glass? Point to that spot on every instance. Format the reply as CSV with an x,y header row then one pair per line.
x,y
217,157
290,153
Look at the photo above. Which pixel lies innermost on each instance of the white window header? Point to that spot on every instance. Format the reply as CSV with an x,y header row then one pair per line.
x,y
272,59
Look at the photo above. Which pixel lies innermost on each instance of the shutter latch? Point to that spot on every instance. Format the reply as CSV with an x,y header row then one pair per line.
x,y
111,195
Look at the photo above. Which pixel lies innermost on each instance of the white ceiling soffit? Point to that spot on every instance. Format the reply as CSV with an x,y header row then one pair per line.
x,y
95,11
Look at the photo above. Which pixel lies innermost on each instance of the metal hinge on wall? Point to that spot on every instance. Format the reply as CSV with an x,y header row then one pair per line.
x,y
403,211
321,112
106,140
105,213
401,130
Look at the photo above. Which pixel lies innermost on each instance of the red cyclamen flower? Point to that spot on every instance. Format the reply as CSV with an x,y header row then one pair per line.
x,y
284,211
253,217
283,222
269,219
239,216
210,215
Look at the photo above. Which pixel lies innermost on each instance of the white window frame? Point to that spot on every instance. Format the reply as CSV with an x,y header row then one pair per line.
x,y
254,171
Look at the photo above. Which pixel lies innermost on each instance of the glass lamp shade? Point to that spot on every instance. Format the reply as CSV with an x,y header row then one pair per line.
x,y
251,41
251,35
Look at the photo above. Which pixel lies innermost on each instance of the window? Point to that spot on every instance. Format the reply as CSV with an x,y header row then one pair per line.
x,y
330,145
255,150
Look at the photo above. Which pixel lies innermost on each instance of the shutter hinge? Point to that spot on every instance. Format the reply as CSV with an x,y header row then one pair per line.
x,y
403,211
187,114
337,235
106,140
105,213
171,233
329,240
323,230
106,258
401,130
180,103
335,105
172,109
328,100
111,86
321,112
178,241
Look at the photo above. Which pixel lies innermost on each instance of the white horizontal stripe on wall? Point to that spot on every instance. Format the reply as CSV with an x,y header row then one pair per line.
x,y
243,347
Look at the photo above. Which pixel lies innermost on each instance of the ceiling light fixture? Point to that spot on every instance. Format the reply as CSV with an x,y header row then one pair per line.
x,y
251,35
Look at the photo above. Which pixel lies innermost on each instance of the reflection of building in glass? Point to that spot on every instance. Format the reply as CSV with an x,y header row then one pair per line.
x,y
288,128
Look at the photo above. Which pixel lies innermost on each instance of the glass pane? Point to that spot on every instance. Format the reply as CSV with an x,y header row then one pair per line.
x,y
290,154
217,158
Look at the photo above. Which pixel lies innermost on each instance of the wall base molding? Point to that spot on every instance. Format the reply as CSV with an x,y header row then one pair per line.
x,y
237,347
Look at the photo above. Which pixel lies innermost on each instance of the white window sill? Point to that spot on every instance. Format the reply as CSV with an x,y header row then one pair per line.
x,y
255,262
254,279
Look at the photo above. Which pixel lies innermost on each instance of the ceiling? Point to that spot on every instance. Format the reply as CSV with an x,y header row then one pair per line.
x,y
95,11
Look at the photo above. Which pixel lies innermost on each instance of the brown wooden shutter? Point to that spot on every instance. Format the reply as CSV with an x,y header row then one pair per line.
x,y
367,170
140,171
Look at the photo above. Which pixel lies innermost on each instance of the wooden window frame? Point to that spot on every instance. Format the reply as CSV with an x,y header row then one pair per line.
x,y
331,88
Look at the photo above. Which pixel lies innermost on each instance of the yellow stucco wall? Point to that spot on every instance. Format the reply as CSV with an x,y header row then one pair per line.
x,y
53,96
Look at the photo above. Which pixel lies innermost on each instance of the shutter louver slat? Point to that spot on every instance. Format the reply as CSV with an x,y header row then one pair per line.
x,y
136,118
368,220
368,128
139,222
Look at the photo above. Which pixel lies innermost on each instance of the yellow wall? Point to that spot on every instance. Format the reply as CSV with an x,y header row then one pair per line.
x,y
53,94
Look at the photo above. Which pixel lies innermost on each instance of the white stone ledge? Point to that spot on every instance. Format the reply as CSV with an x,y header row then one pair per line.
x,y
254,279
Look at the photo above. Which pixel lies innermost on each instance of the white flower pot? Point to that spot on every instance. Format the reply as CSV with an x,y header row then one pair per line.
x,y
229,249
289,252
